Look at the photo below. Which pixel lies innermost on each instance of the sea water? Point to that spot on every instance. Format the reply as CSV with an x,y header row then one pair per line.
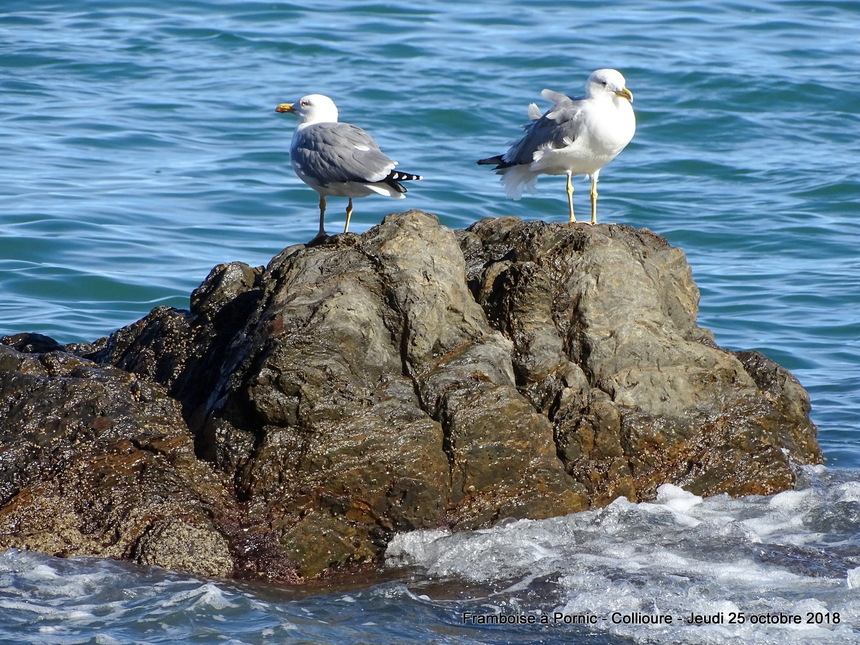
x,y
140,147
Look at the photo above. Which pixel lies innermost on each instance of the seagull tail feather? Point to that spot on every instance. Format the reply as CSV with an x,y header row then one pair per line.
x,y
518,178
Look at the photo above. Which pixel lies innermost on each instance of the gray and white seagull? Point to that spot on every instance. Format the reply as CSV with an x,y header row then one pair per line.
x,y
574,137
339,159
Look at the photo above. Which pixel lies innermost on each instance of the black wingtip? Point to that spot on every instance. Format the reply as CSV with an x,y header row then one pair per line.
x,y
396,175
491,161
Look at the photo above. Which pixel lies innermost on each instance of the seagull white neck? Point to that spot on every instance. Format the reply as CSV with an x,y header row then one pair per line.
x,y
319,116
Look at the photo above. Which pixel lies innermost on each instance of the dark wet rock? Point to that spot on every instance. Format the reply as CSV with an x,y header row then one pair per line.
x,y
410,377
97,461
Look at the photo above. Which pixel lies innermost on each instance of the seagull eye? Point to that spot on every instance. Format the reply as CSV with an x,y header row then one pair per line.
x,y
305,103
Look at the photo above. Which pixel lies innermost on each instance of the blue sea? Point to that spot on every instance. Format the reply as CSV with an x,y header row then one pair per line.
x,y
139,147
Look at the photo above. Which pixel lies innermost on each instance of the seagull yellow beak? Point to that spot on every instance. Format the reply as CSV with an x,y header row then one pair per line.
x,y
287,107
625,94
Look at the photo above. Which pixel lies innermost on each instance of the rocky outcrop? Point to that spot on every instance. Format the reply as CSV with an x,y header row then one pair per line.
x,y
299,415
96,461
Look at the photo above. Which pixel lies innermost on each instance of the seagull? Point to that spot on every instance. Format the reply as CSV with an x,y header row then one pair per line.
x,y
574,137
339,159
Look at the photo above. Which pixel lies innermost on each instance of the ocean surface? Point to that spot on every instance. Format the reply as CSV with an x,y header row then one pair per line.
x,y
139,147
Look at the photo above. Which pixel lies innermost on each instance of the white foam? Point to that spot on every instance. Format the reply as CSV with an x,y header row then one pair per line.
x,y
676,498
682,555
401,550
849,492
207,595
44,572
105,639
792,500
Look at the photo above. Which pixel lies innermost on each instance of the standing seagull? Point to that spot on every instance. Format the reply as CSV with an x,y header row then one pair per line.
x,y
575,137
338,159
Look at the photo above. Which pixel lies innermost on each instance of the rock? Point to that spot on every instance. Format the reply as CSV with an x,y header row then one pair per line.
x,y
410,377
97,461
603,322
178,544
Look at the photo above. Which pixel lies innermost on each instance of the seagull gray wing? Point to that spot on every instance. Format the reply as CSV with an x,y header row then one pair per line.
x,y
339,152
557,128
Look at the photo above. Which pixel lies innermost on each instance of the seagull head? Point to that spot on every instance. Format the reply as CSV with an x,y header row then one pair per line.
x,y
313,108
607,81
